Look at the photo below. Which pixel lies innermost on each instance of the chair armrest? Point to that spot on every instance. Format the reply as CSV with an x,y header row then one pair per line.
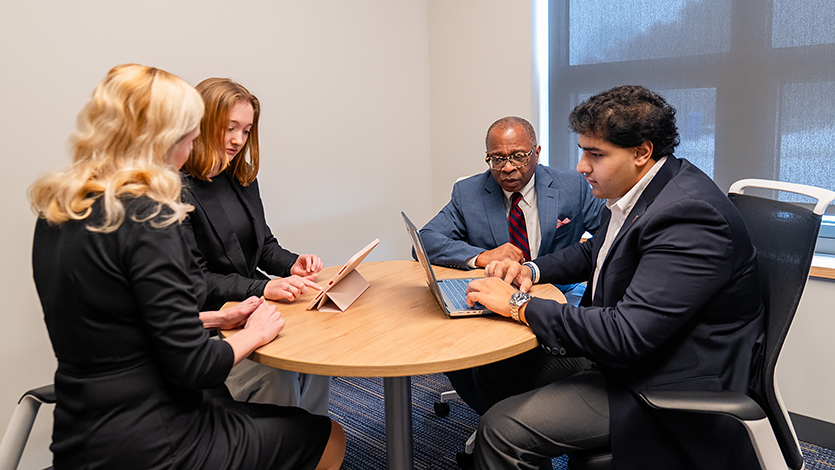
x,y
20,425
45,394
735,404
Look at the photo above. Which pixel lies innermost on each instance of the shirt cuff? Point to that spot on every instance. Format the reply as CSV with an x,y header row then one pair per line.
x,y
534,271
471,261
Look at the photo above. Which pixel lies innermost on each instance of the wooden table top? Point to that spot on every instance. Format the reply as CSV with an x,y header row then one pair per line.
x,y
394,329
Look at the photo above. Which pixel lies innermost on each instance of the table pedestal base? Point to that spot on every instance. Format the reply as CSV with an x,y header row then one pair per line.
x,y
398,400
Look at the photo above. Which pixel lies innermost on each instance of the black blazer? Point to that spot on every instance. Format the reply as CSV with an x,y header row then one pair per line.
x,y
677,306
121,309
214,244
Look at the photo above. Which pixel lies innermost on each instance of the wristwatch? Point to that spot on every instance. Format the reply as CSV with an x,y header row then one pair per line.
x,y
516,301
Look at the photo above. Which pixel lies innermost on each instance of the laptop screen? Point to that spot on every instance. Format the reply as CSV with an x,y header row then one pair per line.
x,y
417,244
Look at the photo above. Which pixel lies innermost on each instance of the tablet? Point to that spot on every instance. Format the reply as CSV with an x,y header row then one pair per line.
x,y
346,270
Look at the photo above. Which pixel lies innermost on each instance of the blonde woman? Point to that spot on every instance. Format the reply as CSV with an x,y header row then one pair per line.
x,y
232,242
121,295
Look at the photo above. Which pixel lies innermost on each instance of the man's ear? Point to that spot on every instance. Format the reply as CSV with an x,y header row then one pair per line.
x,y
643,153
536,153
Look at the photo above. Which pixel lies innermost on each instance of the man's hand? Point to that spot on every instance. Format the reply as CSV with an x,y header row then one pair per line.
x,y
508,251
290,288
512,273
491,292
307,266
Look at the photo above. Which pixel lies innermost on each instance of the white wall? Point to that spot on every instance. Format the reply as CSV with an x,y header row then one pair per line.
x,y
480,56
365,104
805,370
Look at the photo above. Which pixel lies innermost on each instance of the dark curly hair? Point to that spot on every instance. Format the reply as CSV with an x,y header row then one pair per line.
x,y
628,116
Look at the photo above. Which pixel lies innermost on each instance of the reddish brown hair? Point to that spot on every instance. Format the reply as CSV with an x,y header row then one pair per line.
x,y
209,153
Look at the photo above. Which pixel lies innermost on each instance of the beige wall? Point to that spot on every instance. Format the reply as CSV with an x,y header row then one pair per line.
x,y
480,71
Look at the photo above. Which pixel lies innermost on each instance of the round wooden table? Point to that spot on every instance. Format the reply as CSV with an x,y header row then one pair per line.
x,y
394,330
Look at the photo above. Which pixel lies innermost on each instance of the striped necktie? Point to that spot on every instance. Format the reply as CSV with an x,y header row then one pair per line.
x,y
517,227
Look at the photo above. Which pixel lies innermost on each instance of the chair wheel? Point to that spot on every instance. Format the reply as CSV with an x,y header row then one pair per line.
x,y
465,461
441,408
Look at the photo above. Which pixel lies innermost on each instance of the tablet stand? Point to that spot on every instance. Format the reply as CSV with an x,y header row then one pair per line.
x,y
342,294
341,291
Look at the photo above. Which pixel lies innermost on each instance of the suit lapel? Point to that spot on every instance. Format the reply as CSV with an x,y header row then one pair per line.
x,y
664,175
219,220
597,244
494,207
258,228
547,202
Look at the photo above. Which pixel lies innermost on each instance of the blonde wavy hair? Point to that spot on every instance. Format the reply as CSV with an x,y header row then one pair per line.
x,y
122,148
209,154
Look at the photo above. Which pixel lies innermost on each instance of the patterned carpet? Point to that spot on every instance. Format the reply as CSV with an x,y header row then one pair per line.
x,y
357,404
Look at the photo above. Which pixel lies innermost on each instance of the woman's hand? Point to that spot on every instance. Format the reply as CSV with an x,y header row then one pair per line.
x,y
266,320
231,317
491,292
261,327
290,288
307,266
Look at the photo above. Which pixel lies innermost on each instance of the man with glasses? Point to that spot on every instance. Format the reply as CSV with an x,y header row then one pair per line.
x,y
516,210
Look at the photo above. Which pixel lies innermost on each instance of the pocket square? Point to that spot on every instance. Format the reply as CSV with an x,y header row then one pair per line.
x,y
562,222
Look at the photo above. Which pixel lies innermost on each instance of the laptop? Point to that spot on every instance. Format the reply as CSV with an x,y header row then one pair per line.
x,y
450,293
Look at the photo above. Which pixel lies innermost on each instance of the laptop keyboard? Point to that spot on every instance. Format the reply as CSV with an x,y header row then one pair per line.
x,y
456,293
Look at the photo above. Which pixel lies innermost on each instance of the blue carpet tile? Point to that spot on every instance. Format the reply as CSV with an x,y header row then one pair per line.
x,y
357,404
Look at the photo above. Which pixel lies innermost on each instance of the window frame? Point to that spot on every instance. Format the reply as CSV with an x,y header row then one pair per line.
x,y
755,91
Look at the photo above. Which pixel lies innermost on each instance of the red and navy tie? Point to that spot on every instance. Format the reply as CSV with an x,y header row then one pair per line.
x,y
517,227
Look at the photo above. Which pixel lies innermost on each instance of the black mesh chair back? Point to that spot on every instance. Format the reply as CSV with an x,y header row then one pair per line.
x,y
784,235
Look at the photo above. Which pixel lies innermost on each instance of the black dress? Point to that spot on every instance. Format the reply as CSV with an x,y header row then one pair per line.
x,y
134,359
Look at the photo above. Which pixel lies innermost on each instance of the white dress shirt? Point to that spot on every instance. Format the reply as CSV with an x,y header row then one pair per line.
x,y
621,207
529,208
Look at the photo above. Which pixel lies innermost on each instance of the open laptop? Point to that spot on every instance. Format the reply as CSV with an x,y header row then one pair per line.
x,y
450,293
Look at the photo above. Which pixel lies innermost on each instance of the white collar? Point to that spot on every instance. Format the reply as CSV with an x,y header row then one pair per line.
x,y
626,202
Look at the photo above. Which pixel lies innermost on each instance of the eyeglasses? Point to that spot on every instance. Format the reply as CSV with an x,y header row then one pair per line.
x,y
518,160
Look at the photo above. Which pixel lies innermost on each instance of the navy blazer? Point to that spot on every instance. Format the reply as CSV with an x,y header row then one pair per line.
x,y
677,306
215,245
475,219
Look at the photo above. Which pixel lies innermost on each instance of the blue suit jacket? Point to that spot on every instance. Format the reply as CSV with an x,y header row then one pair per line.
x,y
475,219
677,306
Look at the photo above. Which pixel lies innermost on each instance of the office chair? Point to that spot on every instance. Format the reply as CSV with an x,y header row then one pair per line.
x,y
17,433
784,235
463,459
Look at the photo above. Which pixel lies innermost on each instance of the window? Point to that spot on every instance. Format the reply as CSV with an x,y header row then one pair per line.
x,y
753,82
